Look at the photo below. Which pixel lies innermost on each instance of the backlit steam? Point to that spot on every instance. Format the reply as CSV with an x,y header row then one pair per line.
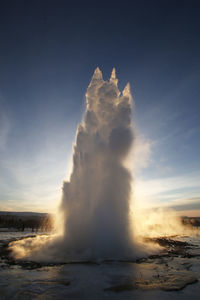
x,y
95,202
95,206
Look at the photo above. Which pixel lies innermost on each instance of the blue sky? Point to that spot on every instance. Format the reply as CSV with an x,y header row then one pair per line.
x,y
48,52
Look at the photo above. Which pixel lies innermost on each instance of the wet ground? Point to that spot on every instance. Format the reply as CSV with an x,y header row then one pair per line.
x,y
172,274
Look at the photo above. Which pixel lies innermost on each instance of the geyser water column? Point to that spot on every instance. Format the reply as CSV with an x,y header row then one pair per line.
x,y
95,202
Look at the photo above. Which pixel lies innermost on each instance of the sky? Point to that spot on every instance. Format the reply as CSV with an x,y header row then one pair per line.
x,y
48,53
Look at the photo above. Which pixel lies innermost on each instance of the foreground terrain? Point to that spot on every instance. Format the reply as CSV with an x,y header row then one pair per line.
x,y
174,273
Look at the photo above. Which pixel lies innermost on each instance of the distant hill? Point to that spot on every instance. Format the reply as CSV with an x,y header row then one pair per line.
x,y
22,213
26,221
192,221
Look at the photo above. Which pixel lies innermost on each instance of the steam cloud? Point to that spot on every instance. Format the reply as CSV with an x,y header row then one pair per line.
x,y
96,199
95,203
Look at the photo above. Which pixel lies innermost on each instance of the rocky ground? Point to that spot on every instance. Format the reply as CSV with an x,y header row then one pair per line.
x,y
174,273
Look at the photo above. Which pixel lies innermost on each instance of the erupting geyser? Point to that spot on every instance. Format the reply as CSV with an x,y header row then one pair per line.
x,y
95,204
95,201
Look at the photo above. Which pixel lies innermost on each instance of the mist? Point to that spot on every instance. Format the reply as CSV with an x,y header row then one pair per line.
x,y
95,206
97,217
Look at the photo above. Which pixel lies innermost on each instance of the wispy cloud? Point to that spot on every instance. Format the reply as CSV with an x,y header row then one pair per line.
x,y
31,185
180,192
187,204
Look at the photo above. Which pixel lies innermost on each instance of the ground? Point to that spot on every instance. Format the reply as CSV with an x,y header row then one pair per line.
x,y
174,273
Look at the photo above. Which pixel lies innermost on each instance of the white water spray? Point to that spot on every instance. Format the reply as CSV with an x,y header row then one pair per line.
x,y
95,201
